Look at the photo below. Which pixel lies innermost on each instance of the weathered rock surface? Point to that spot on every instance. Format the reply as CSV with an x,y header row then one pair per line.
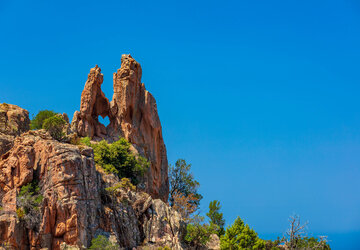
x,y
133,115
93,104
13,119
75,207
6,143
213,243
68,182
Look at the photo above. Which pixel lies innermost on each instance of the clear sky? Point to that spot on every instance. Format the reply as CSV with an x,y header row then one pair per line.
x,y
261,97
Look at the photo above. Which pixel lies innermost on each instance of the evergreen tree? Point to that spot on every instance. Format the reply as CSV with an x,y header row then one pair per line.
x,y
216,218
241,236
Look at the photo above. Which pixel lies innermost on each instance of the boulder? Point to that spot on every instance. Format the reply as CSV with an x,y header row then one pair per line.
x,y
13,120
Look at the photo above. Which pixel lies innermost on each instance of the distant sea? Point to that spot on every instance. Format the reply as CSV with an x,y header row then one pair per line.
x,y
337,241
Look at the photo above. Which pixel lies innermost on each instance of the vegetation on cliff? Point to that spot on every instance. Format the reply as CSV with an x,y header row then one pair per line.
x,y
118,158
28,205
103,243
55,125
51,122
38,121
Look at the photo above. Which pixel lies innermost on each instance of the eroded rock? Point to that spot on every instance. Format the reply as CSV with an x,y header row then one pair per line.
x,y
74,210
93,103
133,115
13,120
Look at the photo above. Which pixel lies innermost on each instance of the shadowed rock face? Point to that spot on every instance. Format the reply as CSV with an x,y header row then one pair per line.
x,y
133,115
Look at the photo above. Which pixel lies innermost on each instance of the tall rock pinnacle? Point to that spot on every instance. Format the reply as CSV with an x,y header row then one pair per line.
x,y
93,104
133,115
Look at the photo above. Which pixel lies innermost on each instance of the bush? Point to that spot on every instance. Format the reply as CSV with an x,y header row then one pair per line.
x,y
55,125
28,205
125,183
312,243
38,120
241,236
86,141
102,243
20,213
118,159
198,234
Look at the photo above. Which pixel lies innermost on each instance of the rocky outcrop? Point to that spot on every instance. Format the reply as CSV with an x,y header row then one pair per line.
x,y
133,115
93,103
213,243
13,119
67,178
75,206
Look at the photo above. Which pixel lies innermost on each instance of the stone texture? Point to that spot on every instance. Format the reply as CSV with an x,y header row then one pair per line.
x,y
133,115
68,183
13,120
93,103
75,208
213,243
6,143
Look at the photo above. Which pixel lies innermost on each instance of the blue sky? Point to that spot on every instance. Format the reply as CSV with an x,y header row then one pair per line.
x,y
261,97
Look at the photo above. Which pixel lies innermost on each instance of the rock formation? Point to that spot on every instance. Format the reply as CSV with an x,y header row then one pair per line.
x,y
75,205
73,210
133,115
93,104
13,119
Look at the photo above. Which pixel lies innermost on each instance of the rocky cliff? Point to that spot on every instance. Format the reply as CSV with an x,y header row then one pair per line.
x,y
75,208
72,205
132,114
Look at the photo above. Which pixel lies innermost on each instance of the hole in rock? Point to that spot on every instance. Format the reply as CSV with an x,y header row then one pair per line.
x,y
105,121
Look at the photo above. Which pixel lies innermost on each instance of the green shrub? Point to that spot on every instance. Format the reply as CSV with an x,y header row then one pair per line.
x,y
86,141
102,243
164,248
198,234
38,120
118,159
241,236
28,205
20,213
55,125
125,183
311,243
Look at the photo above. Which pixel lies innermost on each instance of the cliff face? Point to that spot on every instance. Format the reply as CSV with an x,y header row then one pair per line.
x,y
132,114
75,207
